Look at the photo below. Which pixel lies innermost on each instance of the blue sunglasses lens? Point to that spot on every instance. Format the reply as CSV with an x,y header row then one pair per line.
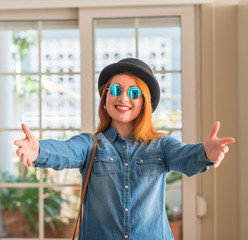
x,y
133,92
115,90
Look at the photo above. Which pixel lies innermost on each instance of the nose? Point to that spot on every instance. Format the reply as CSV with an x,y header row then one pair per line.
x,y
123,97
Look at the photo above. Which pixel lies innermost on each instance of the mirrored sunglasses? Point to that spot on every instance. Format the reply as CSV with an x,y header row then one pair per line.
x,y
133,92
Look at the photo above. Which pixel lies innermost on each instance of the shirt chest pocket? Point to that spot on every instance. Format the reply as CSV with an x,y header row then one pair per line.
x,y
104,164
151,164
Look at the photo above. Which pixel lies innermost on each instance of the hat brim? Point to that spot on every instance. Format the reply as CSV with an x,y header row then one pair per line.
x,y
143,74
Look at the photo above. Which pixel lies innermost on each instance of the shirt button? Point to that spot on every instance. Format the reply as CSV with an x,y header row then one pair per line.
x,y
111,159
126,164
126,209
124,146
126,186
126,236
141,161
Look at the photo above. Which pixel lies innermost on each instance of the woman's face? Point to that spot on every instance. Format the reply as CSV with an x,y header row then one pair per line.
x,y
123,109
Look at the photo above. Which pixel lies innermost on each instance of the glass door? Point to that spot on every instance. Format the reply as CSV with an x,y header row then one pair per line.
x,y
157,41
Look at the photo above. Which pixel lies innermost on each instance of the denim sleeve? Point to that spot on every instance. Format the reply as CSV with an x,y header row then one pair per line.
x,y
189,159
64,154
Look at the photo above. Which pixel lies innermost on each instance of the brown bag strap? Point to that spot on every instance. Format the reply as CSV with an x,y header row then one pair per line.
x,y
79,217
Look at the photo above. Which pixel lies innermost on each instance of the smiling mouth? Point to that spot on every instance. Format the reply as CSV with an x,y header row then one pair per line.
x,y
124,108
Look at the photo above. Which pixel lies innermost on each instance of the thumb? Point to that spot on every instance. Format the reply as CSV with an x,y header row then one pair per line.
x,y
26,131
215,129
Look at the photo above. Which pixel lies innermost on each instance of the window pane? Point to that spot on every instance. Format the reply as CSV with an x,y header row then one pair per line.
x,y
174,203
60,50
61,208
173,133
19,101
18,47
160,43
114,40
174,211
169,111
19,212
61,107
11,168
66,176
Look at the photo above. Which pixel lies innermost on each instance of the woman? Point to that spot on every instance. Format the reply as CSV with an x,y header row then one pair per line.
x,y
125,198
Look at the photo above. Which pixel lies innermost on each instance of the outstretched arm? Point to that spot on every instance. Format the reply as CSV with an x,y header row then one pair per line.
x,y
28,148
54,154
215,148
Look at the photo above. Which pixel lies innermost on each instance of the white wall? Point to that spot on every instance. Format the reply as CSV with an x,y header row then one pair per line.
x,y
219,102
242,21
28,4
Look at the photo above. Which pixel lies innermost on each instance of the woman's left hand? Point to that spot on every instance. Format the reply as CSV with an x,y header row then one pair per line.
x,y
215,148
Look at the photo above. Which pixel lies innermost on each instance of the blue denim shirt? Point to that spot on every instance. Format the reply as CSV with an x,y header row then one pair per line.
x,y
126,196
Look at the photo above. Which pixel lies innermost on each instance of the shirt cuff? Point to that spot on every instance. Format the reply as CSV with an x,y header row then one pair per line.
x,y
207,162
42,157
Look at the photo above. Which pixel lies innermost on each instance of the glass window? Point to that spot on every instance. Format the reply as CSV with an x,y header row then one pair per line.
x,y
40,86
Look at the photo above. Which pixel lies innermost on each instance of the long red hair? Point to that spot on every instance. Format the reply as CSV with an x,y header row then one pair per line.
x,y
143,127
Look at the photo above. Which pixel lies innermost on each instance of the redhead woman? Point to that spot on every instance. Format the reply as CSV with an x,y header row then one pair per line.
x,y
125,198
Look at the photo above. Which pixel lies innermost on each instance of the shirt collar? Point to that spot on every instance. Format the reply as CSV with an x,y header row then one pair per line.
x,y
110,134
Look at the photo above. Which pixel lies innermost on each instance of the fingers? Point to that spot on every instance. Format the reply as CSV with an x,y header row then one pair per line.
x,y
25,150
19,143
29,162
27,132
217,164
224,149
221,156
215,147
26,160
226,140
215,129
19,152
24,157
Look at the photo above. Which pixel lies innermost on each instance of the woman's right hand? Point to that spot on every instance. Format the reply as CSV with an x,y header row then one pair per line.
x,y
28,148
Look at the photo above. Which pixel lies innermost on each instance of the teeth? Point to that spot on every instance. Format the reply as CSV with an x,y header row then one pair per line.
x,y
122,108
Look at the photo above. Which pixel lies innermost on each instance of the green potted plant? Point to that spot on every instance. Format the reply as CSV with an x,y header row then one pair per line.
x,y
25,202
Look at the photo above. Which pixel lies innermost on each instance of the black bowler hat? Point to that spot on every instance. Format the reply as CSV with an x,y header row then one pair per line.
x,y
137,68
